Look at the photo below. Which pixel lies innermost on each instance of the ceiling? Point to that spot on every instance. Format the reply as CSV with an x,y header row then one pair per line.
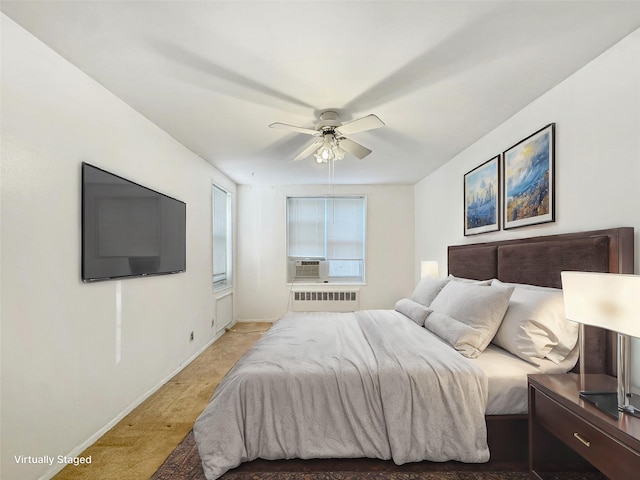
x,y
215,74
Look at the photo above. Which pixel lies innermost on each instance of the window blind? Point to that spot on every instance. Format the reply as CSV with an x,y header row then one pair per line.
x,y
220,236
329,228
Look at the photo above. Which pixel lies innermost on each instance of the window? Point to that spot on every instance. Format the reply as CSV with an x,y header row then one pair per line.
x,y
330,230
222,244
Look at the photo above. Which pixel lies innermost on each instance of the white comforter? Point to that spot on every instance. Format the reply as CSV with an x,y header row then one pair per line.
x,y
365,384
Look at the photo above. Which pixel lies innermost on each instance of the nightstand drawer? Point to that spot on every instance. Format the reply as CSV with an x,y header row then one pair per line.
x,y
604,452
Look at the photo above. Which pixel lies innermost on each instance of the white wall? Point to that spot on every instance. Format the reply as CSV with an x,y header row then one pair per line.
x,y
262,284
597,116
61,381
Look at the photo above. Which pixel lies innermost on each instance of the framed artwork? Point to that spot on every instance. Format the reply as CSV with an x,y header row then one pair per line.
x,y
528,180
481,198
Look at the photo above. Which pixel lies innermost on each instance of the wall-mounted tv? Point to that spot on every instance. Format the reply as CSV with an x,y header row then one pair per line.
x,y
129,230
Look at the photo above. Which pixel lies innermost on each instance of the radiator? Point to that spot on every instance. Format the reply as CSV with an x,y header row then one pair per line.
x,y
326,300
224,311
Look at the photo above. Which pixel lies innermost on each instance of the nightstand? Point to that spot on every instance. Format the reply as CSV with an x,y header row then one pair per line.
x,y
569,434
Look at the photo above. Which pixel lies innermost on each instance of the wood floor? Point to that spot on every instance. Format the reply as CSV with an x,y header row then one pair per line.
x,y
137,446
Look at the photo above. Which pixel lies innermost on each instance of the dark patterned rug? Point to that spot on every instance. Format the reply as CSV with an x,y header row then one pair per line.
x,y
184,464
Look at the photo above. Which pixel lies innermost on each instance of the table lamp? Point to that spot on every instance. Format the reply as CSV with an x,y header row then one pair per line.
x,y
429,268
610,301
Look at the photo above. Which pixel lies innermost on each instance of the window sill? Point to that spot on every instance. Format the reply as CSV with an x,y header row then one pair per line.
x,y
341,283
222,289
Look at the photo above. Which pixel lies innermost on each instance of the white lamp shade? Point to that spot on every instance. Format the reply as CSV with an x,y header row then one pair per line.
x,y
605,300
429,268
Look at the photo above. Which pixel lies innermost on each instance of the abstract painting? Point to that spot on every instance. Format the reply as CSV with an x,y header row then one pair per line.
x,y
528,180
481,204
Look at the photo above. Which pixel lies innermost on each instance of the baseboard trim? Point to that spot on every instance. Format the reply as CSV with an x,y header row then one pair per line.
x,y
257,320
76,452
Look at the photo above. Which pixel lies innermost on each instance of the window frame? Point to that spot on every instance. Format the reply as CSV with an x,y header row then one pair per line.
x,y
334,280
227,281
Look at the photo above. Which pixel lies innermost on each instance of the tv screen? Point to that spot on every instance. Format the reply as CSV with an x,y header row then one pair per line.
x,y
129,230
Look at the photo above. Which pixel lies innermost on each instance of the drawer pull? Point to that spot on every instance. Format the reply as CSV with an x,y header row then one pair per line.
x,y
585,442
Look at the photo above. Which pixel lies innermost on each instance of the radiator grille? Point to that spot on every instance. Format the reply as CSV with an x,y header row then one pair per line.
x,y
325,300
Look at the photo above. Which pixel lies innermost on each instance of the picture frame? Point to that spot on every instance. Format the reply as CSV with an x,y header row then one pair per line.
x,y
482,198
528,180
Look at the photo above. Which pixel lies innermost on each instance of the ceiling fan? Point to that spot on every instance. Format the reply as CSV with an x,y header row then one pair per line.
x,y
331,142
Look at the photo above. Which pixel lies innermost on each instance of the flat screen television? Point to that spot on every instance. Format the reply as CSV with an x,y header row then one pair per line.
x,y
129,230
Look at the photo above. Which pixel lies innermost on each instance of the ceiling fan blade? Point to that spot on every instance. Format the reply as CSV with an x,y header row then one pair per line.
x,y
354,148
293,128
308,150
360,125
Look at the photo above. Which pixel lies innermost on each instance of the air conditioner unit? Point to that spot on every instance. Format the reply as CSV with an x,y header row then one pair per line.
x,y
308,270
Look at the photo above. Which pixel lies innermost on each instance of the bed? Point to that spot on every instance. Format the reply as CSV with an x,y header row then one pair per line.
x,y
379,384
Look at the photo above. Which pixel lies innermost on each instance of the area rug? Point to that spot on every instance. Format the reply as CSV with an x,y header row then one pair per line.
x,y
184,464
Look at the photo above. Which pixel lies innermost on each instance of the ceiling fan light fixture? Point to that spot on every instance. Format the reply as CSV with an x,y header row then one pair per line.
x,y
324,153
338,153
328,150
329,133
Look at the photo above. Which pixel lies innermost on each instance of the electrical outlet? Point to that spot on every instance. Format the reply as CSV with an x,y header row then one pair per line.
x,y
191,336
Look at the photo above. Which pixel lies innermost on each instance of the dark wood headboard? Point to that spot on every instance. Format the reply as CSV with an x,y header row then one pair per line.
x,y
539,261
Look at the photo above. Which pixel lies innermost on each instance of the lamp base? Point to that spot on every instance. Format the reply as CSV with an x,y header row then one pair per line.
x,y
607,402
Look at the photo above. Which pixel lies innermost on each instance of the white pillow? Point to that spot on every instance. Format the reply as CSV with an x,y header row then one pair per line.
x,y
527,286
535,325
470,280
427,289
415,311
467,315
460,336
